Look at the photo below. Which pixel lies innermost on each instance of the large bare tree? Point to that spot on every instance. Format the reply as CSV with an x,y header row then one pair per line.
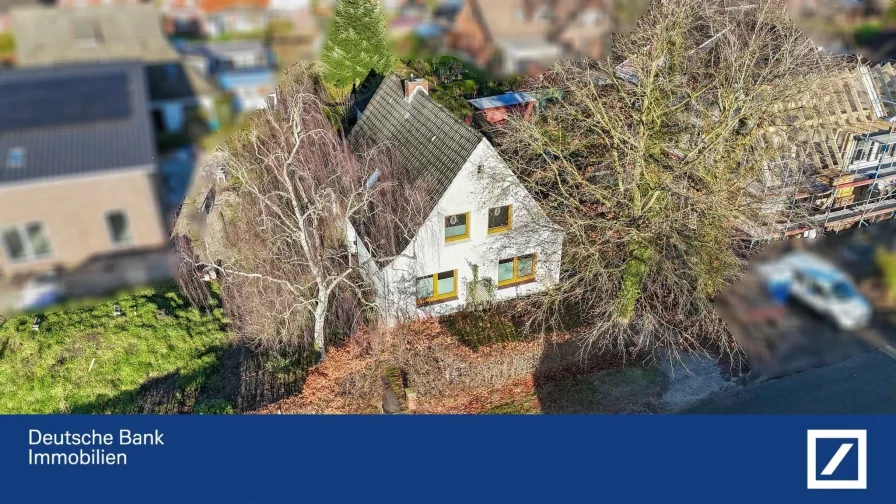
x,y
650,159
289,276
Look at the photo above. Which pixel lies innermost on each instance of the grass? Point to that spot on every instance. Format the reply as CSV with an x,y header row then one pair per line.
x,y
90,361
517,407
615,391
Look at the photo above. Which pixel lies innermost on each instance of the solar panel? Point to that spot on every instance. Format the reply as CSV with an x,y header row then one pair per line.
x,y
63,101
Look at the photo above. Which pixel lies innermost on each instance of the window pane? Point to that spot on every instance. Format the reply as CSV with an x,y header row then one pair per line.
x,y
499,217
424,287
118,227
446,283
40,245
455,225
524,266
505,270
15,249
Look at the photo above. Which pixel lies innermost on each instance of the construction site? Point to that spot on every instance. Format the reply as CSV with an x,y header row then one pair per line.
x,y
845,175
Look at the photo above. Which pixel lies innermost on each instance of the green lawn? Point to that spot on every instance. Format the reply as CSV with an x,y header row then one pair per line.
x,y
90,361
617,391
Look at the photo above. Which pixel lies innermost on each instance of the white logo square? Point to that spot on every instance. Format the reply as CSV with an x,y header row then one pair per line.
x,y
861,482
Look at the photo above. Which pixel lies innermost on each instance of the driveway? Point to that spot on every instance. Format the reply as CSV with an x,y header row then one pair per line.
x,y
865,384
801,340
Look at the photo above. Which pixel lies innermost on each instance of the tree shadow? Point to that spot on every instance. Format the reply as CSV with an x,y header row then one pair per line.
x,y
245,379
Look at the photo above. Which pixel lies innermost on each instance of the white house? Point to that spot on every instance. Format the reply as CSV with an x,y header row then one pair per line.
x,y
480,220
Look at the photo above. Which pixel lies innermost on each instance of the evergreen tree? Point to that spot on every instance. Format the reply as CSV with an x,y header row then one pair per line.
x,y
356,43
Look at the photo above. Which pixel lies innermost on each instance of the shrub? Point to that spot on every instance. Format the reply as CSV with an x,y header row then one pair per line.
x,y
213,407
867,33
886,261
7,42
479,328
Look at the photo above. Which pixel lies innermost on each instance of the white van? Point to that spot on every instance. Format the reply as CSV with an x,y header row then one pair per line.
x,y
821,287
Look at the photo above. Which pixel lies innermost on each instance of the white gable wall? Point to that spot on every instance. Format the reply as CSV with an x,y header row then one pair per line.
x,y
484,182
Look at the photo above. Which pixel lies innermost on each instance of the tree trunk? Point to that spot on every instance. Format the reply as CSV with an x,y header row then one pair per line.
x,y
320,315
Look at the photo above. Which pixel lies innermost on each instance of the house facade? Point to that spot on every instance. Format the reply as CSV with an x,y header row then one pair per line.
x,y
80,181
214,18
519,36
244,68
483,236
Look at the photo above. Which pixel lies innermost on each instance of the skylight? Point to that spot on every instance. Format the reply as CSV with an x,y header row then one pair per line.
x,y
15,158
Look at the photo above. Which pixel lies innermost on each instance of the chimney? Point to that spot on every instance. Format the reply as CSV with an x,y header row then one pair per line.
x,y
411,85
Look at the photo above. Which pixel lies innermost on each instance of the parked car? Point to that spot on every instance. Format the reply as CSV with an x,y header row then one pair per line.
x,y
821,287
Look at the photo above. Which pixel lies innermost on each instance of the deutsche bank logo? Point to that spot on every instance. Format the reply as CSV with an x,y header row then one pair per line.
x,y
838,459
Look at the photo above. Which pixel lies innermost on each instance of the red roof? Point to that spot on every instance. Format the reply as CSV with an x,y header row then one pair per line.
x,y
210,6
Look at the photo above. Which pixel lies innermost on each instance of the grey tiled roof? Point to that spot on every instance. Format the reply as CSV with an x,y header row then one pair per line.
x,y
75,146
430,144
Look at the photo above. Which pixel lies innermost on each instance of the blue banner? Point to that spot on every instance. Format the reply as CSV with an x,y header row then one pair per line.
x,y
283,458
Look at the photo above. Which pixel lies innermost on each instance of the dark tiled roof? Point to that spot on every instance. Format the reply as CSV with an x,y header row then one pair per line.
x,y
429,142
172,81
78,142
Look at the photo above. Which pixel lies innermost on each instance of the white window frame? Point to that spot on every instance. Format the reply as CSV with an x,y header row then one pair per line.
x,y
127,221
29,255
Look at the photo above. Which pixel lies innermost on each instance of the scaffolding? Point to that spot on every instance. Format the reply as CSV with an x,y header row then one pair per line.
x,y
851,159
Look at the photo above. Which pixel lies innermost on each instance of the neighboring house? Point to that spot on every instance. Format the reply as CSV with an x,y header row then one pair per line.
x,y
8,5
478,219
181,98
77,173
244,68
116,33
496,109
845,171
520,36
94,3
214,18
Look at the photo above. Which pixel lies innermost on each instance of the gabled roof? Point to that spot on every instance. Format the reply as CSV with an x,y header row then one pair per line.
x,y
430,144
518,19
119,33
7,5
71,120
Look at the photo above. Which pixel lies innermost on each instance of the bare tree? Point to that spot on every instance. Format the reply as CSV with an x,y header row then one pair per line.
x,y
292,186
650,161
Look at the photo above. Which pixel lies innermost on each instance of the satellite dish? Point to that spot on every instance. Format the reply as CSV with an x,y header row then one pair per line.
x,y
452,220
497,211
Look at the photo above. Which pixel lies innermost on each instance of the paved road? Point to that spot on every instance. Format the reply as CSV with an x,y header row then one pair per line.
x,y
864,384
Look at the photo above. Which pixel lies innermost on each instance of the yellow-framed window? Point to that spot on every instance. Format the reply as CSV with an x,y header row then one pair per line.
x,y
457,227
516,270
437,287
500,219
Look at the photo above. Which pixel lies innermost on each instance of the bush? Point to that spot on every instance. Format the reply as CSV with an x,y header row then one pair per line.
x,y
886,261
867,33
455,104
7,42
213,407
479,328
